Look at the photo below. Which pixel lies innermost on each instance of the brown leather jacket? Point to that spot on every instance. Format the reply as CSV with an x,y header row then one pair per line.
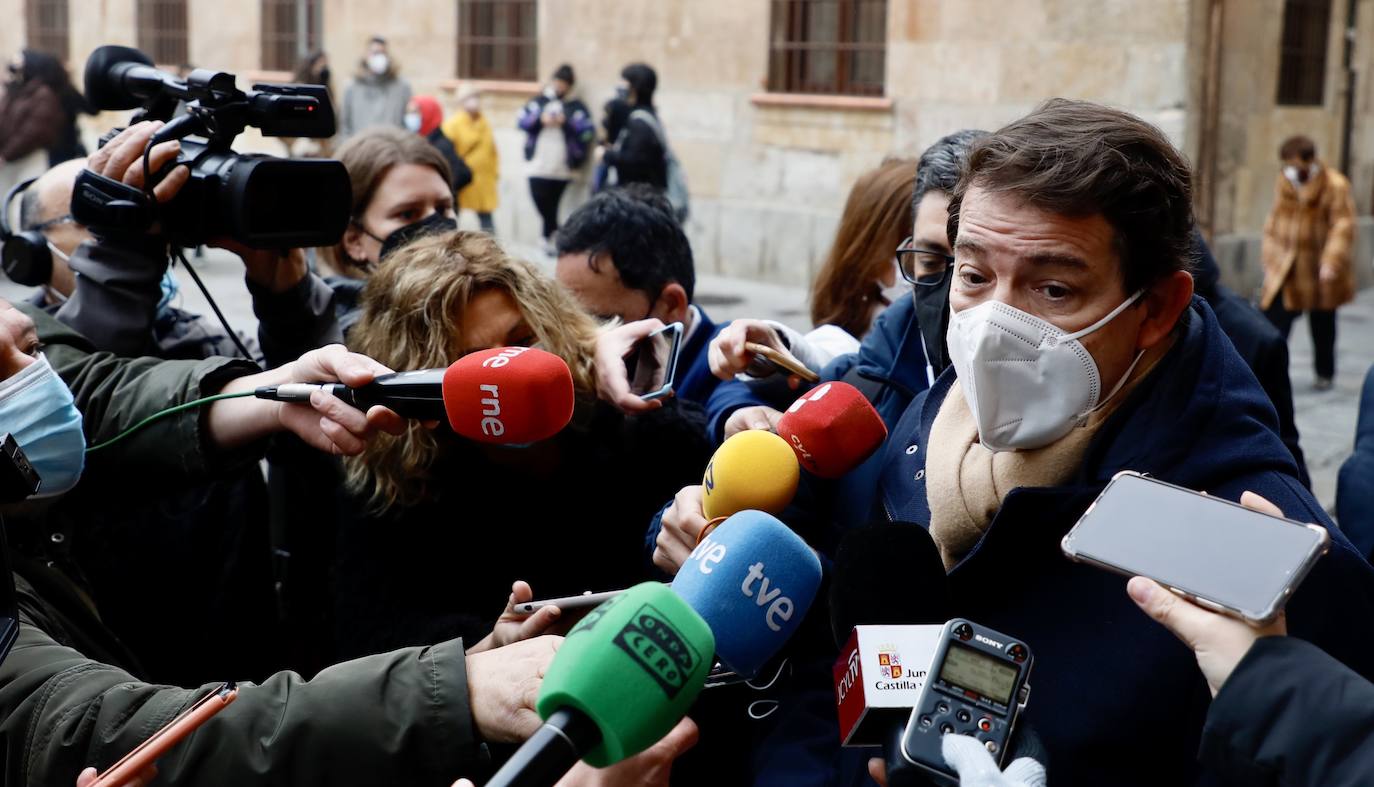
x,y
31,118
1308,232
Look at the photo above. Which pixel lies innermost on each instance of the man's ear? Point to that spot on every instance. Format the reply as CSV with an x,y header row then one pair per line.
x,y
1164,303
672,304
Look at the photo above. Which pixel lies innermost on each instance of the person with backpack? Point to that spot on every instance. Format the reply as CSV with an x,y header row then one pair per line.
x,y
640,152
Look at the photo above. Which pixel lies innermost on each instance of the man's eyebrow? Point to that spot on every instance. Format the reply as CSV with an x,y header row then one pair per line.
x,y
968,248
1058,260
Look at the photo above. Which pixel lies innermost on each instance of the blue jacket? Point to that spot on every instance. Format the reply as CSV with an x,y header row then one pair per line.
x,y
694,379
1355,485
1116,699
890,358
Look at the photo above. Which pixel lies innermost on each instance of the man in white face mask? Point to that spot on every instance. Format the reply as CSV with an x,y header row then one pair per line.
x,y
377,96
1078,351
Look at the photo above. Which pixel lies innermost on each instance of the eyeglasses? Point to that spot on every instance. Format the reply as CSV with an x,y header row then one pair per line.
x,y
922,267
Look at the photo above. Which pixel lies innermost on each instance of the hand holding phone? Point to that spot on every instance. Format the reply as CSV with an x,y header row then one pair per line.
x,y
652,365
1220,555
777,361
133,768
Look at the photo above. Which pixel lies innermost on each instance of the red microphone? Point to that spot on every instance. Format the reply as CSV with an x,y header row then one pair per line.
x,y
507,395
833,429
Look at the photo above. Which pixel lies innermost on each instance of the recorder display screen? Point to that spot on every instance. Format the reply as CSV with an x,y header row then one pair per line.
x,y
972,670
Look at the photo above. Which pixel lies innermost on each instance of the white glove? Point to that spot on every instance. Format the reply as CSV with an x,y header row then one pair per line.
x,y
976,767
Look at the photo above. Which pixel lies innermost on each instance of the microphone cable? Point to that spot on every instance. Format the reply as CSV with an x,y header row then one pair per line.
x,y
164,413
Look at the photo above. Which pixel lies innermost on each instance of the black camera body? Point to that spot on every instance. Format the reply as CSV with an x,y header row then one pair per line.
x,y
261,201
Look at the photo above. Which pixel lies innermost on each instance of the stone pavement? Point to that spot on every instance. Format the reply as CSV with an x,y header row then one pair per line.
x,y
1326,420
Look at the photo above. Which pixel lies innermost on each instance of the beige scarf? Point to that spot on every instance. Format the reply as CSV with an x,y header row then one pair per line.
x,y
966,483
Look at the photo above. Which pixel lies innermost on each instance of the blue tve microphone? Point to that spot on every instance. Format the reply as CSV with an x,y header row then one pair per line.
x,y
752,579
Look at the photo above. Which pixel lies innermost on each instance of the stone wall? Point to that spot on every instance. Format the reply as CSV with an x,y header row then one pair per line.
x,y
767,178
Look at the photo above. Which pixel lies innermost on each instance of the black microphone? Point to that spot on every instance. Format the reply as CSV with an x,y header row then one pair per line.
x,y
884,575
418,394
121,77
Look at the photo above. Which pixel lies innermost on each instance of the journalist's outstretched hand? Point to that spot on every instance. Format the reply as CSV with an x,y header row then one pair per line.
x,y
682,525
515,627
649,768
1218,642
327,423
503,686
612,379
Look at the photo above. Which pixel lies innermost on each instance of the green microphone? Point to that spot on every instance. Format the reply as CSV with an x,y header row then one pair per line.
x,y
622,679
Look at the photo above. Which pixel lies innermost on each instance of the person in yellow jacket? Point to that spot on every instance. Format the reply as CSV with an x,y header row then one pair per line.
x,y
471,136
1309,239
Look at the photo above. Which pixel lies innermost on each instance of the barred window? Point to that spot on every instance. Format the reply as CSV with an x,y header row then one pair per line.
x,y
1302,52
162,29
290,32
47,27
828,46
498,39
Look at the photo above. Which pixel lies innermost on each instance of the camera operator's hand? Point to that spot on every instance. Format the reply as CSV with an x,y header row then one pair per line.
x,y
327,423
122,159
612,379
682,525
1219,642
515,627
274,270
503,685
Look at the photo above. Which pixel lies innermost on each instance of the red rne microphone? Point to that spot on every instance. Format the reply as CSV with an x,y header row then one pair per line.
x,y
508,395
833,429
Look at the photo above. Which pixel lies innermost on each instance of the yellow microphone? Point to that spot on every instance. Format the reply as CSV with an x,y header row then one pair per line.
x,y
753,470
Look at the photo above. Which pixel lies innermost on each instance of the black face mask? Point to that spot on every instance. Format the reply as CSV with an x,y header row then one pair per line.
x,y
323,76
433,224
932,314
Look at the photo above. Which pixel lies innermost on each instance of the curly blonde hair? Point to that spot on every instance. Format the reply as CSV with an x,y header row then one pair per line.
x,y
412,313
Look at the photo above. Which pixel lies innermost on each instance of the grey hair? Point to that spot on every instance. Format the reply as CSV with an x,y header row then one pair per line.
x,y
938,169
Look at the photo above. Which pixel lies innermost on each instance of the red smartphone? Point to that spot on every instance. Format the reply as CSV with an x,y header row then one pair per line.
x,y
148,752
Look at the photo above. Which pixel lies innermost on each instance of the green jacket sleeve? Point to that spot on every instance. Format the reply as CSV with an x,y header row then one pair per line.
x,y
114,393
396,718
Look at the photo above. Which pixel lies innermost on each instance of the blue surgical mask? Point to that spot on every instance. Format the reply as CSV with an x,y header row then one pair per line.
x,y
37,408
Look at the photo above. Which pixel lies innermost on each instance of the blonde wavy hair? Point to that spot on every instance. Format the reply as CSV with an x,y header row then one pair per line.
x,y
412,313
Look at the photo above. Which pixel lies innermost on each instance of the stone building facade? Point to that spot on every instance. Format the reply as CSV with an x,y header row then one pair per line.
x,y
769,171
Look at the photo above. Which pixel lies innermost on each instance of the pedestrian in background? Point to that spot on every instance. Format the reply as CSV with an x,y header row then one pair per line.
x,y
471,135
423,117
377,96
1309,239
38,112
558,135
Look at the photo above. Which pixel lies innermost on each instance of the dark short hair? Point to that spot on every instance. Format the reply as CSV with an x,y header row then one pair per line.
x,y
1298,147
642,78
565,73
938,169
636,226
1077,158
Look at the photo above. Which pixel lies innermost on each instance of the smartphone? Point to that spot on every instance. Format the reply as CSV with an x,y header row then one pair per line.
x,y
775,360
186,722
652,364
1219,554
587,600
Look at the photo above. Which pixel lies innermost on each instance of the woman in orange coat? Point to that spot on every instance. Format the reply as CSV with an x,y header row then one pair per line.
x,y
1309,239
